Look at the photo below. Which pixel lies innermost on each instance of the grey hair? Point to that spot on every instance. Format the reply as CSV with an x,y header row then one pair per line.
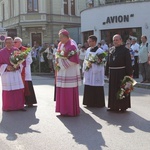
x,y
118,36
18,38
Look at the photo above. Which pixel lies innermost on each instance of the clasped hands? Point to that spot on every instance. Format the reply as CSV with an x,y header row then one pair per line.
x,y
10,68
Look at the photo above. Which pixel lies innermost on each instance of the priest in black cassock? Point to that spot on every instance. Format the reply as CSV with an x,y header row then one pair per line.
x,y
118,66
93,77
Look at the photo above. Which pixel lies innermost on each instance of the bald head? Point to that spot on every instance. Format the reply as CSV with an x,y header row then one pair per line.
x,y
117,40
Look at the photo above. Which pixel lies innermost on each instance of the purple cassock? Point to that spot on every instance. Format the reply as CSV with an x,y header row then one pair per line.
x,y
67,81
12,84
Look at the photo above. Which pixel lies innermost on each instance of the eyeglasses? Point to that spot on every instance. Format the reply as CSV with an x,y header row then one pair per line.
x,y
15,42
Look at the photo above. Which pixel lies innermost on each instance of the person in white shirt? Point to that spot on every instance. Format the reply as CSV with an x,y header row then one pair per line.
x,y
82,53
143,60
49,56
104,46
135,47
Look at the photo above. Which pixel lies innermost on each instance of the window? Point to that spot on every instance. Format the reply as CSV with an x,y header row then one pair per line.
x,y
66,7
90,3
3,12
11,8
72,7
69,7
32,5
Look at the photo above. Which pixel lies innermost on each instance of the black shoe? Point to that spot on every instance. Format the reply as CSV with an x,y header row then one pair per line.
x,y
30,105
22,109
110,109
123,110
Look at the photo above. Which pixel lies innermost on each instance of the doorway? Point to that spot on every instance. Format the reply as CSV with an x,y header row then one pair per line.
x,y
36,37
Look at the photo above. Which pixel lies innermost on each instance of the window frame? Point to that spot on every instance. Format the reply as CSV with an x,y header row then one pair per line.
x,y
73,7
69,9
33,4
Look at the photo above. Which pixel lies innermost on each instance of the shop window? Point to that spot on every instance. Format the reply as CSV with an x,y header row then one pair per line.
x,y
32,5
107,35
86,35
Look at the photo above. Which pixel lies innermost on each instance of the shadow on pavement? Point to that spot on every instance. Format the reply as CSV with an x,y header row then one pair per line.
x,y
16,122
85,130
126,121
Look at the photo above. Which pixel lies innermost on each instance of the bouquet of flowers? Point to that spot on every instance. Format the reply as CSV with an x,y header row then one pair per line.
x,y
63,55
97,59
18,57
57,67
126,87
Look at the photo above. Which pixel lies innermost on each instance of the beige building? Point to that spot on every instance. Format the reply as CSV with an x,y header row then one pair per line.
x,y
40,20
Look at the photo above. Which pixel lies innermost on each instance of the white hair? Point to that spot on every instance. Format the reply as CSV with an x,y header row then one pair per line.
x,y
18,38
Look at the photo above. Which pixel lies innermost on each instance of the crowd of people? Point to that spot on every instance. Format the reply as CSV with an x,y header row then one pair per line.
x,y
140,58
43,57
71,63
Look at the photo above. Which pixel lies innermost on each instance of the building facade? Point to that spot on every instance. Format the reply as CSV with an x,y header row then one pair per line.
x,y
109,17
40,20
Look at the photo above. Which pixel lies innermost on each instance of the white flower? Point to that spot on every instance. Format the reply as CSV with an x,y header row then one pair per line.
x,y
62,53
128,85
72,52
91,58
121,94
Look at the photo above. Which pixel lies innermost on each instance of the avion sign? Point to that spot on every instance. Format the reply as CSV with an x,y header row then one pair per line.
x,y
118,19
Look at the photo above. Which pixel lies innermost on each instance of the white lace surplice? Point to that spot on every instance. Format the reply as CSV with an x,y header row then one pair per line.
x,y
10,80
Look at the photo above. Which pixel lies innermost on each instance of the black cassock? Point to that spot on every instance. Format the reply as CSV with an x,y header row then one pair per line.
x,y
94,95
118,66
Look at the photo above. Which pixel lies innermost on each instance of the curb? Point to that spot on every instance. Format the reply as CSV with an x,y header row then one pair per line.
x,y
142,85
138,85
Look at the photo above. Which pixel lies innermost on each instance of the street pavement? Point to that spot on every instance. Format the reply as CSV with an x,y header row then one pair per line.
x,y
40,128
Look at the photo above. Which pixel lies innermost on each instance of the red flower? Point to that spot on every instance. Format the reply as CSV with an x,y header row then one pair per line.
x,y
126,87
